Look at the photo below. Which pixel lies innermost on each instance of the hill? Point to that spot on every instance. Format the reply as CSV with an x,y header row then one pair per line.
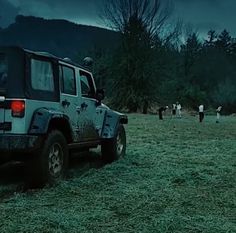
x,y
60,37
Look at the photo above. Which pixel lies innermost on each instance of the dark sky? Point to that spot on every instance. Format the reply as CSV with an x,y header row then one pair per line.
x,y
201,14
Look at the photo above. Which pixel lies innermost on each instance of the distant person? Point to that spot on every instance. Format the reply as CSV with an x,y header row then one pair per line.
x,y
173,109
201,112
218,110
179,107
160,112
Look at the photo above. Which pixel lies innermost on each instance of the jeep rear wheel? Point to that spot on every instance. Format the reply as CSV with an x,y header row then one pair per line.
x,y
113,149
55,160
51,160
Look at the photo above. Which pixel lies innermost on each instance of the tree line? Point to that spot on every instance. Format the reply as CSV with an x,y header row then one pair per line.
x,y
154,64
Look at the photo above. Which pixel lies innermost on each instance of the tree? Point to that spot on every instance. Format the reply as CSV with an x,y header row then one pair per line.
x,y
225,95
191,52
139,22
151,14
224,41
212,36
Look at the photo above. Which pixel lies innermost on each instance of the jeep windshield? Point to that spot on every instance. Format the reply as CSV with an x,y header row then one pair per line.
x,y
3,73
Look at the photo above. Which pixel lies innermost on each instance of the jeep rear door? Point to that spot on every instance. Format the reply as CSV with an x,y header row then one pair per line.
x,y
2,113
3,80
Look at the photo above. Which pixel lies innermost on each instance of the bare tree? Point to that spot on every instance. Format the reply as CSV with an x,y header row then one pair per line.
x,y
172,33
139,22
151,13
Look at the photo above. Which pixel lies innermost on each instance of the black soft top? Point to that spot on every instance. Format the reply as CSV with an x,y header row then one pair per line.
x,y
53,57
18,76
40,54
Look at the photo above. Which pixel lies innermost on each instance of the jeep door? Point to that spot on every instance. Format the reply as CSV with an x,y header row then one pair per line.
x,y
69,95
87,110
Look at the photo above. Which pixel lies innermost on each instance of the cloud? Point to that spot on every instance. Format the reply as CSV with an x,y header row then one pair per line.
x,y
214,2
75,10
208,14
202,14
8,13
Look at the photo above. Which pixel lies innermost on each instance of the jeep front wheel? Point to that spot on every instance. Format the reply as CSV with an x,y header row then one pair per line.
x,y
51,160
114,148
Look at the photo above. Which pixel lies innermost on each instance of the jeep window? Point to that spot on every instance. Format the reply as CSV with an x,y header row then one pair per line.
x,y
3,70
87,86
67,79
42,75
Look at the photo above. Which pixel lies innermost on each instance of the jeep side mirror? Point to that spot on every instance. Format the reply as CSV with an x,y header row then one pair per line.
x,y
100,95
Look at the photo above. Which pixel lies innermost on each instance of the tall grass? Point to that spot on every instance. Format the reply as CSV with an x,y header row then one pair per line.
x,y
178,176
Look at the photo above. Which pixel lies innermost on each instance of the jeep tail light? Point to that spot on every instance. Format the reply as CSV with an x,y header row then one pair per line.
x,y
18,108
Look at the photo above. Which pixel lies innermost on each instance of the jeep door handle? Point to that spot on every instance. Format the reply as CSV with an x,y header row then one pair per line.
x,y
65,103
83,106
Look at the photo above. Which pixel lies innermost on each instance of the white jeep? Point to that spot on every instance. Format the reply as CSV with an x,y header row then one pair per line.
x,y
49,106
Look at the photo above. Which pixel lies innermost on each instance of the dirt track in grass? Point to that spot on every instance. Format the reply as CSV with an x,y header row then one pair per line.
x,y
178,176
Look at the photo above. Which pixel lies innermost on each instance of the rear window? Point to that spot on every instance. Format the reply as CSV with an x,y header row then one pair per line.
x,y
3,71
42,75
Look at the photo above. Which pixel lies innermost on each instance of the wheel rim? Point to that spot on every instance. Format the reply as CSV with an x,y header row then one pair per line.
x,y
55,159
120,143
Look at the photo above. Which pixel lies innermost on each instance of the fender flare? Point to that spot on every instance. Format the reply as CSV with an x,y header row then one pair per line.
x,y
111,123
41,120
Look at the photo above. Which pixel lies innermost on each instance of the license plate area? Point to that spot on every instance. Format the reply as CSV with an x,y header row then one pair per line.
x,y
6,126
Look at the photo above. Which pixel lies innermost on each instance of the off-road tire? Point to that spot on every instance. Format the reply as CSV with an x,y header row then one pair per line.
x,y
50,161
114,148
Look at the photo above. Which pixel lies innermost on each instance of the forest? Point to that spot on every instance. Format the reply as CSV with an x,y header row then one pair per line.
x,y
197,72
157,64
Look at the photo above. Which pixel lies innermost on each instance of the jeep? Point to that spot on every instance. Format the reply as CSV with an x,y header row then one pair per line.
x,y
49,107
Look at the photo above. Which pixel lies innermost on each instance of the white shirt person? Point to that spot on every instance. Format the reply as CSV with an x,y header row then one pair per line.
x,y
218,110
201,112
179,107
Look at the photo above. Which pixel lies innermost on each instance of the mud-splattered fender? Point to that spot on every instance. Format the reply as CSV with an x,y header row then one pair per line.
x,y
42,118
111,123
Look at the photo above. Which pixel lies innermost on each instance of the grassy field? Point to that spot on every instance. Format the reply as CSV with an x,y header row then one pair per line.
x,y
178,176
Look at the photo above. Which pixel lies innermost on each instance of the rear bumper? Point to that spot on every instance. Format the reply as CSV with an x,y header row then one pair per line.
x,y
19,143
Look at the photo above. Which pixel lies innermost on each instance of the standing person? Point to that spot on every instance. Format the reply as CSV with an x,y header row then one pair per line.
x,y
218,114
201,112
178,107
173,109
160,111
